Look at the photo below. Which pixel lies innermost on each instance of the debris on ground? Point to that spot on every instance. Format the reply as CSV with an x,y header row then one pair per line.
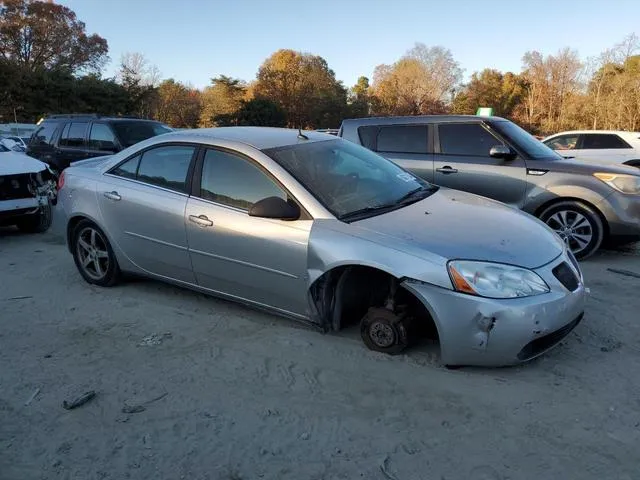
x,y
141,407
626,273
21,297
32,397
384,468
154,339
77,402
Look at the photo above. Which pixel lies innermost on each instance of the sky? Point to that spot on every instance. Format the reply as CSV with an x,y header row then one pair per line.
x,y
195,40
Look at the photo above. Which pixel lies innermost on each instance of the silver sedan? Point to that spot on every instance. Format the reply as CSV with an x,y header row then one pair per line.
x,y
319,229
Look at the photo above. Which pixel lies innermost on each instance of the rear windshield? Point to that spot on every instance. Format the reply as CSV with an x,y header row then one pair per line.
x,y
130,133
523,140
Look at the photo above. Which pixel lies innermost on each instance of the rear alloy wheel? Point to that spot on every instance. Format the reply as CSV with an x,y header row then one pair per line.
x,y
37,222
93,255
383,331
577,224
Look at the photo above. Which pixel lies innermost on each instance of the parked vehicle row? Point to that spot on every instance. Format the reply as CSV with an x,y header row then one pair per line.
x,y
585,203
325,231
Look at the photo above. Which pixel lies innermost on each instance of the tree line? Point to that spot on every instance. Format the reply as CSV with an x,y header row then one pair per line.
x,y
50,64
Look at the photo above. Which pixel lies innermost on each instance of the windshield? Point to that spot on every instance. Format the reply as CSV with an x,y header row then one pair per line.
x,y
130,133
349,179
533,147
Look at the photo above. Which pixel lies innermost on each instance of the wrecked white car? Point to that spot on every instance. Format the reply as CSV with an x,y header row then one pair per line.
x,y
319,229
27,191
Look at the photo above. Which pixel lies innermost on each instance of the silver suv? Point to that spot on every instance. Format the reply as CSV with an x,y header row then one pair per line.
x,y
585,204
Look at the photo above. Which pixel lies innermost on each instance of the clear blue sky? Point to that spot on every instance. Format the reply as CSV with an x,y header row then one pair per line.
x,y
194,40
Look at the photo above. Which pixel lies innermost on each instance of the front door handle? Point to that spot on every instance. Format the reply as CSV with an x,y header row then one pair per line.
x,y
447,169
112,195
201,220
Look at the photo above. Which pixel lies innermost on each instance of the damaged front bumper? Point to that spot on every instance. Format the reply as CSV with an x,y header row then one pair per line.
x,y
495,332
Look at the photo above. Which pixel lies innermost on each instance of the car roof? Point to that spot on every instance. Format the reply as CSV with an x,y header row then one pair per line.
x,y
417,119
258,137
622,133
97,119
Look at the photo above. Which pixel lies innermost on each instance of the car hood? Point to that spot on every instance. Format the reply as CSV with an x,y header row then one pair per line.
x,y
458,225
581,166
12,163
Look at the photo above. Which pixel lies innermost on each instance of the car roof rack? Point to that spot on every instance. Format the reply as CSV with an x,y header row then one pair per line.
x,y
73,115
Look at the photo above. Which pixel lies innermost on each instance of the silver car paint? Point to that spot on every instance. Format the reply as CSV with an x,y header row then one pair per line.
x,y
226,261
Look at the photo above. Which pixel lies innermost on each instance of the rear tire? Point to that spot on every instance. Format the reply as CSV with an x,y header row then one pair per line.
x,y
37,222
93,255
579,225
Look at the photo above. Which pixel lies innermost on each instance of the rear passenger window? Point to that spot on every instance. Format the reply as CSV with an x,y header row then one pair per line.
x,y
128,169
403,139
593,141
166,167
368,137
466,139
73,135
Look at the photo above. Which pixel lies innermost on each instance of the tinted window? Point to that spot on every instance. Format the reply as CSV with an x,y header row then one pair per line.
x,y
403,139
231,180
466,139
563,142
43,135
368,137
101,137
131,132
73,135
602,140
522,139
128,169
166,167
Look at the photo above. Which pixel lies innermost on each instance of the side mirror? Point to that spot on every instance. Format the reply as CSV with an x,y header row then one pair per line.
x,y
502,151
275,207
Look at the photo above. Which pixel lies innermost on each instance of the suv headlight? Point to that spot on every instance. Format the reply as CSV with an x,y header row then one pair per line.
x,y
621,182
495,280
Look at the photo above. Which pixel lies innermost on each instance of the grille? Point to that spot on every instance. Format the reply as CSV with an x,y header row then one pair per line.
x,y
15,186
566,276
539,345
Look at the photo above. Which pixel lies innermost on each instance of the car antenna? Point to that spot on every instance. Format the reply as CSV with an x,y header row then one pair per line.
x,y
301,135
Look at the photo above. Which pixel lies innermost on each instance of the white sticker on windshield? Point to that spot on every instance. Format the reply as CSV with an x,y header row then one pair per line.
x,y
407,177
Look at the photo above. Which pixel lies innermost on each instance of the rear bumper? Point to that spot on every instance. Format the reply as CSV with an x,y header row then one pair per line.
x,y
494,332
622,213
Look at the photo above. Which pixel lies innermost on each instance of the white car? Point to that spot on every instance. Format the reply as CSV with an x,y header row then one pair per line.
x,y
602,146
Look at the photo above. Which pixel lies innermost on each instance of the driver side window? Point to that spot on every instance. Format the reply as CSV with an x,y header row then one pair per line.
x,y
234,181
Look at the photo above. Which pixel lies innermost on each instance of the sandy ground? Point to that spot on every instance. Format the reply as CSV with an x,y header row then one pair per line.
x,y
252,396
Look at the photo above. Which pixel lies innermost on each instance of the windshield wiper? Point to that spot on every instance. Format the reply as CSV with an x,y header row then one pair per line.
x,y
407,198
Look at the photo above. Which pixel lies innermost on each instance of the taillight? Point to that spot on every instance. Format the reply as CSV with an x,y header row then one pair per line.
x,y
61,181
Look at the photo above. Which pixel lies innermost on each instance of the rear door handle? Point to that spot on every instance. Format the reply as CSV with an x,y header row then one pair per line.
x,y
447,170
112,195
201,220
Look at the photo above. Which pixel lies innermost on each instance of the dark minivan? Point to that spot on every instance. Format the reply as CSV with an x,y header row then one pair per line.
x,y
493,157
63,139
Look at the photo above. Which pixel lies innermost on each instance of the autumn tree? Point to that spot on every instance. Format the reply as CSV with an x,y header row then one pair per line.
x,y
421,82
140,79
305,88
221,100
45,35
490,88
178,105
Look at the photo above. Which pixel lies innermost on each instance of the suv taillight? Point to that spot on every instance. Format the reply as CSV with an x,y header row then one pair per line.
x,y
61,181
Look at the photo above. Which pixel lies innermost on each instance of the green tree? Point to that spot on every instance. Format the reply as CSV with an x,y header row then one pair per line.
x,y
359,98
260,112
44,35
490,88
221,100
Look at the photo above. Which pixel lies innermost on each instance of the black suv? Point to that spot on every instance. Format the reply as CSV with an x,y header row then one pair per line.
x,y
63,139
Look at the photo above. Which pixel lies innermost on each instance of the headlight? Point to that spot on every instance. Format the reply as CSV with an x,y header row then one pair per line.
x,y
622,183
495,280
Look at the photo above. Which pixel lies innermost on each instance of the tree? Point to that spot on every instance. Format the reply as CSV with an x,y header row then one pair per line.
x,y
360,99
490,88
421,82
44,35
305,88
221,100
178,105
260,112
140,79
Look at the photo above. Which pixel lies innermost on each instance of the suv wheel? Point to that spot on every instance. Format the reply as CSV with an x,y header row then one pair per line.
x,y
577,224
